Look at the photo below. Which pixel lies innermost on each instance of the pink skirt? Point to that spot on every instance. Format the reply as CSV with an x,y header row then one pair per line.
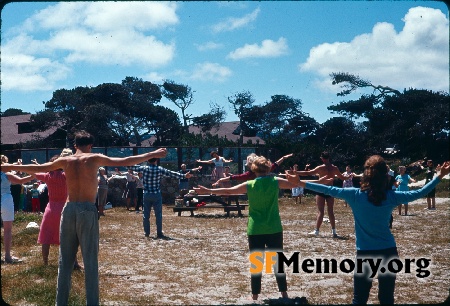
x,y
49,231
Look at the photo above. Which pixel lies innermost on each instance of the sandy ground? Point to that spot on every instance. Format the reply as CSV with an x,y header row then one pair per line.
x,y
206,259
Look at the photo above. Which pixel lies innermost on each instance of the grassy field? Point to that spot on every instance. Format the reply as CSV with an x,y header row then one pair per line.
x,y
205,261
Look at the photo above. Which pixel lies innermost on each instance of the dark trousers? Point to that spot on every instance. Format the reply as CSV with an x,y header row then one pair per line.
x,y
16,189
273,242
140,198
386,281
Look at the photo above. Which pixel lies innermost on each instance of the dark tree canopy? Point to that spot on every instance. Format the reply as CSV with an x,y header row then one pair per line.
x,y
243,103
281,119
414,120
13,112
115,113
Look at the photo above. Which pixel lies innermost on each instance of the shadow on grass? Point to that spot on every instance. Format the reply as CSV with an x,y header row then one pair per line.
x,y
218,216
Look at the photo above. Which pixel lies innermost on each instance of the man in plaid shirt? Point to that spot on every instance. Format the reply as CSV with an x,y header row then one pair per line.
x,y
152,175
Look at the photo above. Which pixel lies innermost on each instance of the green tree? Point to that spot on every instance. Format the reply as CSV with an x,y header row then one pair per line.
x,y
416,120
343,138
243,103
182,96
281,122
115,113
212,119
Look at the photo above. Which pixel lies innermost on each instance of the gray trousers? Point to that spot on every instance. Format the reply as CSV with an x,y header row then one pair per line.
x,y
79,227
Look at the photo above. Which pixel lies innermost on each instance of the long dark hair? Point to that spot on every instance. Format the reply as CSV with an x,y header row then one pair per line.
x,y
375,179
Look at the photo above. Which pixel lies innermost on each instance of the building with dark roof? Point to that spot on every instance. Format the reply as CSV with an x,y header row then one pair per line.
x,y
16,130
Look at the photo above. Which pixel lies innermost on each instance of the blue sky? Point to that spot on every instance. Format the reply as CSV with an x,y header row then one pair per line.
x,y
221,48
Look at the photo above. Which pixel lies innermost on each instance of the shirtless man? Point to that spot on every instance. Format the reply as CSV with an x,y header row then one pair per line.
x,y
79,220
326,170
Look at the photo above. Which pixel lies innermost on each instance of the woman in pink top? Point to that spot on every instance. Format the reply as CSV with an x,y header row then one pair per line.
x,y
57,194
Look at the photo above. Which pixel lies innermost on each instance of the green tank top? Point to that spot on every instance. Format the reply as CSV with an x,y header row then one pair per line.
x,y
263,213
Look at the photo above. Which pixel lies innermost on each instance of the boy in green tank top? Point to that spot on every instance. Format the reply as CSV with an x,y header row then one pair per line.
x,y
264,227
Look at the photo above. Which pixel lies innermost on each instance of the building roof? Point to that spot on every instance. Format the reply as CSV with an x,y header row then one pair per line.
x,y
10,130
226,129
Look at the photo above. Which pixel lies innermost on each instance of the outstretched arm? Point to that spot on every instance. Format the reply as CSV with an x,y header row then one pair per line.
x,y
204,161
221,180
130,160
285,184
339,174
444,170
17,179
32,168
308,172
238,189
278,162
294,179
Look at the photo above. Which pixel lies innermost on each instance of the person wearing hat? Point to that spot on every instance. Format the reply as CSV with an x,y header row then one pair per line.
x,y
325,170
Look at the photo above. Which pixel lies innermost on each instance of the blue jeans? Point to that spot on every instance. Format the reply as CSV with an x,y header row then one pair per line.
x,y
78,227
152,200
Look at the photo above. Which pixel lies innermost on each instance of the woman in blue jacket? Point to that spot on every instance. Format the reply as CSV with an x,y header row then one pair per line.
x,y
372,205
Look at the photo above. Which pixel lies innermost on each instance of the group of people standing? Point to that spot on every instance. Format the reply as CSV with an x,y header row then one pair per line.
x,y
371,204
79,225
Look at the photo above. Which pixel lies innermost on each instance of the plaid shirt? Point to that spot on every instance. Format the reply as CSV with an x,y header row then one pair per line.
x,y
152,174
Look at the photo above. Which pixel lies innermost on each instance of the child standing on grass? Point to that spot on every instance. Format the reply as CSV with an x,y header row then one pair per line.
x,y
297,192
35,203
401,182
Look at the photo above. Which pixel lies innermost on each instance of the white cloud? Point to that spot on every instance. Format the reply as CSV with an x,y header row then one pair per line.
x,y
101,16
211,72
415,57
268,48
101,33
154,77
27,73
233,23
208,46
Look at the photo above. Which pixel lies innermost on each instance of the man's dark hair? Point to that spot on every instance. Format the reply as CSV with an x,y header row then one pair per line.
x,y
83,138
152,160
325,155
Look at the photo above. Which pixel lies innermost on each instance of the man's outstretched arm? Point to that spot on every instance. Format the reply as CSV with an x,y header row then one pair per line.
x,y
131,160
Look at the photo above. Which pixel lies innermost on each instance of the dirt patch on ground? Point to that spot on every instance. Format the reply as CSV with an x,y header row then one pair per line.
x,y
205,261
